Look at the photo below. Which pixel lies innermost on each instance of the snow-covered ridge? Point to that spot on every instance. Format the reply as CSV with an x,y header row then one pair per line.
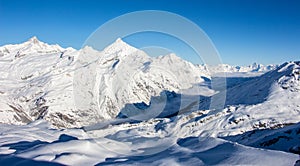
x,y
33,45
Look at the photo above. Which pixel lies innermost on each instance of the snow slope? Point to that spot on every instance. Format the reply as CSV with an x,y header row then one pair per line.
x,y
263,102
285,139
37,144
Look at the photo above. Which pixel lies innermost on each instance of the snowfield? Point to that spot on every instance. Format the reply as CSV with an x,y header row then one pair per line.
x,y
37,144
120,106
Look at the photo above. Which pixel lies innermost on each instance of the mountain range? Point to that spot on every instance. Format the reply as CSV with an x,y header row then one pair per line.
x,y
131,105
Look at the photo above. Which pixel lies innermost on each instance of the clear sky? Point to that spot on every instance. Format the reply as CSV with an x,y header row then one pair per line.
x,y
243,31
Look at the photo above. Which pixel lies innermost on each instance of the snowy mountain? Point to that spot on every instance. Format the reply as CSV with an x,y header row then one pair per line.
x,y
39,84
120,106
128,75
29,72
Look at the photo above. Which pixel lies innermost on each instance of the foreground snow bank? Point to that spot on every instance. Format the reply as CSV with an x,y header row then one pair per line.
x,y
37,144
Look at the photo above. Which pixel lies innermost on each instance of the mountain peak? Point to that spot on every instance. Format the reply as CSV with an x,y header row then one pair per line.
x,y
34,40
120,43
119,40
34,44
120,46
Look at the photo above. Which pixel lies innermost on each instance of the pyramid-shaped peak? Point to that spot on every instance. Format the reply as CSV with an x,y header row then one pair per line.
x,y
119,40
120,43
34,40
120,46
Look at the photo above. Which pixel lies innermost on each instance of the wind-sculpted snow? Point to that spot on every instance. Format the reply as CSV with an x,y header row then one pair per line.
x,y
37,144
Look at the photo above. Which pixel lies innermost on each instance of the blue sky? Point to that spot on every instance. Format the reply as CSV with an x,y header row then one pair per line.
x,y
243,31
